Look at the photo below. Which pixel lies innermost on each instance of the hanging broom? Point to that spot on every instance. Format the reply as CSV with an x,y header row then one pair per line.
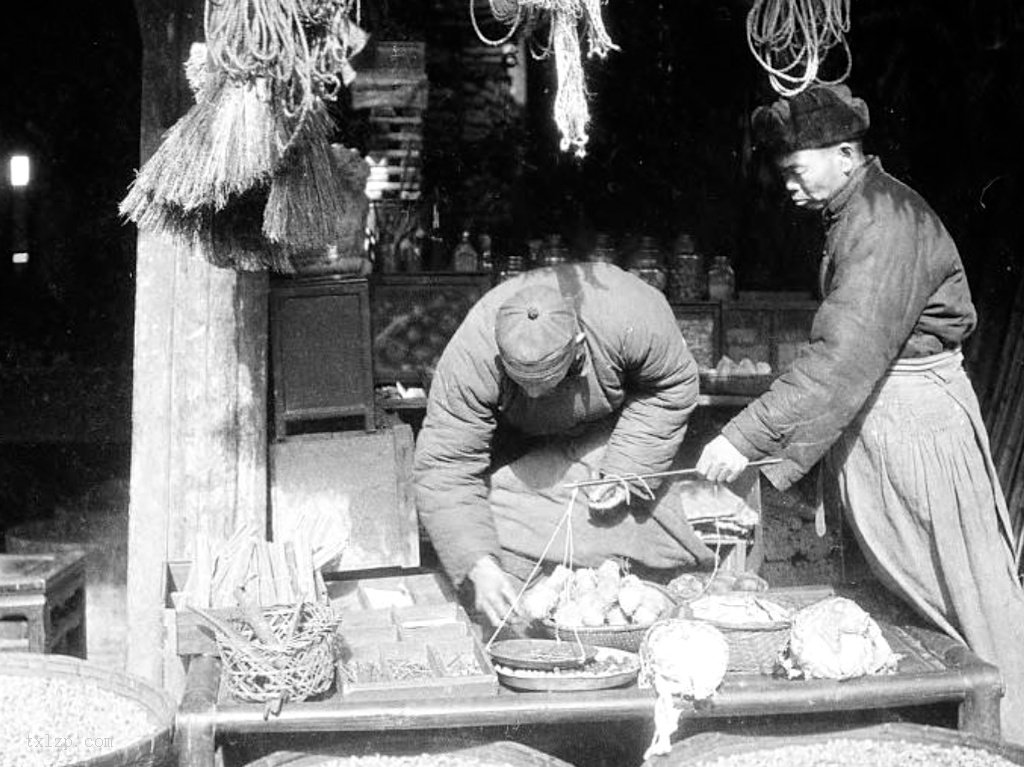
x,y
307,199
234,136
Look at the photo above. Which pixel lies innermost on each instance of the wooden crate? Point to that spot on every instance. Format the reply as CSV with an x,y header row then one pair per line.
x,y
367,474
400,670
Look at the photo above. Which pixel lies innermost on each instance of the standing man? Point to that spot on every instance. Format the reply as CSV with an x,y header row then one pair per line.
x,y
881,393
555,376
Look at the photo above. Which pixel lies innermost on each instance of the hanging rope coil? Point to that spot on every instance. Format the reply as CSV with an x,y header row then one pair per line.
x,y
565,20
790,39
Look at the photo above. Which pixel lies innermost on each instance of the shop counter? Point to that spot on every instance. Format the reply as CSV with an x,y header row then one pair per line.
x,y
933,669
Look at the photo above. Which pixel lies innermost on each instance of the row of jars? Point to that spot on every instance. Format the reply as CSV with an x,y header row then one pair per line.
x,y
680,273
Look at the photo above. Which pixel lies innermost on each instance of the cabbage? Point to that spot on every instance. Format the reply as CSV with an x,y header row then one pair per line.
x,y
836,639
680,657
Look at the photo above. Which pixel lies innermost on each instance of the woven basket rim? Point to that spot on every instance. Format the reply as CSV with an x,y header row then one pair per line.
x,y
750,627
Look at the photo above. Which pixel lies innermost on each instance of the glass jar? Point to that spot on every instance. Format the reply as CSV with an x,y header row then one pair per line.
x,y
603,251
687,280
647,264
465,257
721,280
514,266
554,251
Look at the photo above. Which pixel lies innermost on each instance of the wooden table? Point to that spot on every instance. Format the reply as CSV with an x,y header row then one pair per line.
x,y
934,669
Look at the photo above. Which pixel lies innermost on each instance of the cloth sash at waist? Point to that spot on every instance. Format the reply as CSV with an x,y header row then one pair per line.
x,y
948,360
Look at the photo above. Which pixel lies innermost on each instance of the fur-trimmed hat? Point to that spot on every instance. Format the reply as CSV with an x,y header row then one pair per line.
x,y
821,115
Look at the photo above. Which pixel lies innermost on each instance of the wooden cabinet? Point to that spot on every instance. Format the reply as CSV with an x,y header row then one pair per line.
x,y
321,360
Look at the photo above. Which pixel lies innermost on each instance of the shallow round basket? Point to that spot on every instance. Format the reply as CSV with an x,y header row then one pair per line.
x,y
301,669
152,749
906,743
627,638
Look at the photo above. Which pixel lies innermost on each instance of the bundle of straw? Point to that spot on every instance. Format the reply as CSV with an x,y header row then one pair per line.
x,y
307,202
256,142
229,141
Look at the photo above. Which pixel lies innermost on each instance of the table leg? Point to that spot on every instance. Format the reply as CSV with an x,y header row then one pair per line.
x,y
979,712
196,728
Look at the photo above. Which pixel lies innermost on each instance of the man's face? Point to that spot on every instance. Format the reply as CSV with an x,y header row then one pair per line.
x,y
812,176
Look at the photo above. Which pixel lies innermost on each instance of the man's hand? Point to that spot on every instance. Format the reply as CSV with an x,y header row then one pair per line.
x,y
720,461
494,592
605,497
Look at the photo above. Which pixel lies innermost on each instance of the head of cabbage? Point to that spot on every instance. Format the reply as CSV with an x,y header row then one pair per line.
x,y
687,657
680,658
836,639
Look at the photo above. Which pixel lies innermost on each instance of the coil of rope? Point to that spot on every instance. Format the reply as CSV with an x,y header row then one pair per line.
x,y
566,17
790,39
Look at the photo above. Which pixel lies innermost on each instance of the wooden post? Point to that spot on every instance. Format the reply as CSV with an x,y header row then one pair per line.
x,y
199,388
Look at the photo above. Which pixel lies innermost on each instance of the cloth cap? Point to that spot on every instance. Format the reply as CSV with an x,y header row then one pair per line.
x,y
821,115
535,330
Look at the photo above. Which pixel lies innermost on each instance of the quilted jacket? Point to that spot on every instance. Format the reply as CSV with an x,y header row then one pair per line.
x,y
637,366
892,286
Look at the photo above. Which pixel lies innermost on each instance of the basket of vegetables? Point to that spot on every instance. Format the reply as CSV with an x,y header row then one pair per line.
x,y
601,606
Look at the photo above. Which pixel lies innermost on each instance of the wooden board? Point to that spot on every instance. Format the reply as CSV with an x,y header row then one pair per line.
x,y
365,476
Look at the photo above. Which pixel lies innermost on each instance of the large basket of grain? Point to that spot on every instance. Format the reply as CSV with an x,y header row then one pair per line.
x,y
59,710
499,754
886,745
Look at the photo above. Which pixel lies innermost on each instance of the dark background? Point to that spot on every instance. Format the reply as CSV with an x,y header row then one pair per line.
x,y
669,152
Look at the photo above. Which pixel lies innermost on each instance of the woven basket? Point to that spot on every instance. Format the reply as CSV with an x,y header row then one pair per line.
x,y
628,638
754,647
154,749
302,668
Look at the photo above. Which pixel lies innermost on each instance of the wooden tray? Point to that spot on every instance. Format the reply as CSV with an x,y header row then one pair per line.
x,y
439,676
572,681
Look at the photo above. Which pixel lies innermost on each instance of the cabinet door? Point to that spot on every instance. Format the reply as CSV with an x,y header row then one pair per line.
x,y
321,346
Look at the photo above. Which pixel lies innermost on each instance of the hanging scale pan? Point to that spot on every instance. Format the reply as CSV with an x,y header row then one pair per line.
x,y
541,654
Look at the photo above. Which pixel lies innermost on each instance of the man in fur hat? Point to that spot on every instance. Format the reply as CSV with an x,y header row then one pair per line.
x,y
555,376
881,397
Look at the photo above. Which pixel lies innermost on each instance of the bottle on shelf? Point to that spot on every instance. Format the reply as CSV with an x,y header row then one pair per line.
x,y
486,254
721,280
435,248
465,258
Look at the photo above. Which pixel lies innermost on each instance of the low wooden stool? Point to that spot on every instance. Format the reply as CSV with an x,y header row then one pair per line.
x,y
42,603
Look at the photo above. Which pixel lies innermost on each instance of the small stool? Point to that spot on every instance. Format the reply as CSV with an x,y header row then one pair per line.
x,y
42,603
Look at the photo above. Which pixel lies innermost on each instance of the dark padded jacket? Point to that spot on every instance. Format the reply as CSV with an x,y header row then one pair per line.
x,y
637,366
893,286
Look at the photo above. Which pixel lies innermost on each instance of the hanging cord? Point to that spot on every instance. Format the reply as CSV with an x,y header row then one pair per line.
x,y
513,23
565,521
571,112
251,39
790,39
